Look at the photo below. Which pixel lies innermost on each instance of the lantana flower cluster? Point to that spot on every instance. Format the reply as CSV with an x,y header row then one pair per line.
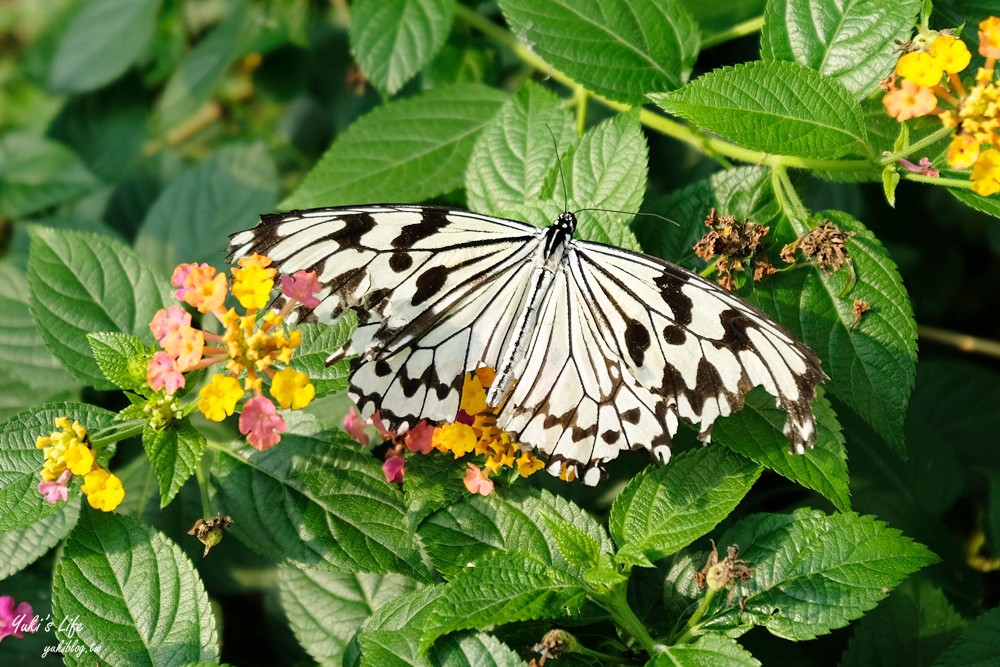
x,y
68,452
474,432
930,85
250,346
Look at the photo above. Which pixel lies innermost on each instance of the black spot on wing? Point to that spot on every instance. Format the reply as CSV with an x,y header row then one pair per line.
x,y
670,284
356,225
636,340
735,324
429,283
631,416
400,261
382,368
674,335
431,223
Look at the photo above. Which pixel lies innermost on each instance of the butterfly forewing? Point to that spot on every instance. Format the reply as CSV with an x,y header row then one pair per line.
x,y
620,348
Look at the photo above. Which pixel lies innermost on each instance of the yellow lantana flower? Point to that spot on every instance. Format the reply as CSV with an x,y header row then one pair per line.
x,y
950,53
104,490
986,173
217,400
292,389
920,67
253,281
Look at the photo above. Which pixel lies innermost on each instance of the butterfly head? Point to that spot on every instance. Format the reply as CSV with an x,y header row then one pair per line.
x,y
566,221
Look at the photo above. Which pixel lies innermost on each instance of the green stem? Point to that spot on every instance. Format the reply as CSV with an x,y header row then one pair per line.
x,y
691,627
788,199
937,180
931,138
616,604
206,503
581,95
653,120
748,27
710,269
116,432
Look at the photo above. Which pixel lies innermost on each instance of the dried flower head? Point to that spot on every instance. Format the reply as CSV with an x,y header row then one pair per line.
x,y
737,245
825,246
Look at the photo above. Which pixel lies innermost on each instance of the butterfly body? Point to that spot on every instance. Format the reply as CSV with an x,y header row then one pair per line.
x,y
597,349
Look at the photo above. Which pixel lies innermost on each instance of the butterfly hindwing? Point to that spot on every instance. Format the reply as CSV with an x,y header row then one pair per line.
x,y
695,343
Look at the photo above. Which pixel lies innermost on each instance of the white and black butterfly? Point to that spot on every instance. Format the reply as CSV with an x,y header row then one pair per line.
x,y
598,350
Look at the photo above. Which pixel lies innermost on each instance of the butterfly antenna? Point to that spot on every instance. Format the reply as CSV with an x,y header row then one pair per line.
x,y
562,174
614,210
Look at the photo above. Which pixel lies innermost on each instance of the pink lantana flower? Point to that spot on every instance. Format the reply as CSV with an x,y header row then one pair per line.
x,y
179,277
261,423
476,481
163,373
355,426
14,621
301,286
168,321
57,489
420,438
393,469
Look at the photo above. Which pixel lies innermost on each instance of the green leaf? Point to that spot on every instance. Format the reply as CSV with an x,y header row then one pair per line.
x,y
756,432
80,283
21,461
912,627
175,453
432,482
103,41
392,40
776,107
609,171
121,357
404,151
514,156
706,651
319,502
546,528
325,609
890,179
223,193
988,205
392,634
622,50
978,645
105,128
814,573
23,354
319,341
37,173
853,42
133,595
516,588
392,637
664,509
513,171
23,546
872,365
202,70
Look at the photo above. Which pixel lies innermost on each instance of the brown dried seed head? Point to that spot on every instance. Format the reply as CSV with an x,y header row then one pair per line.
x,y
826,246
